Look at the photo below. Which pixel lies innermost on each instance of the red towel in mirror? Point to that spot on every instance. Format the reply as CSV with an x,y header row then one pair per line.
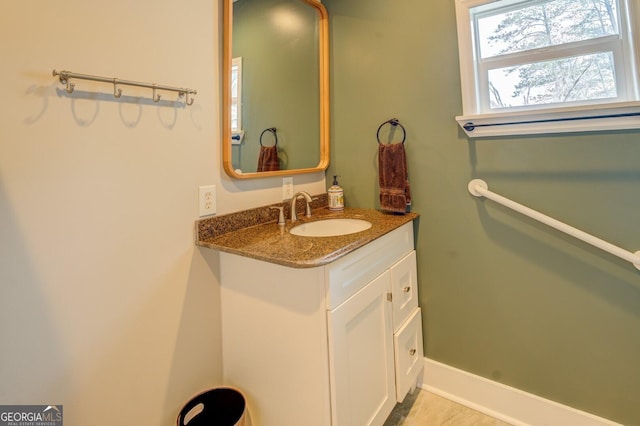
x,y
268,159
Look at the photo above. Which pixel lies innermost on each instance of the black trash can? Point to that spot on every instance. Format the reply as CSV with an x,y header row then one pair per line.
x,y
214,407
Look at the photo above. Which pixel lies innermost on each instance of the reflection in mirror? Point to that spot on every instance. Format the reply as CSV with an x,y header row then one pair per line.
x,y
276,77
236,105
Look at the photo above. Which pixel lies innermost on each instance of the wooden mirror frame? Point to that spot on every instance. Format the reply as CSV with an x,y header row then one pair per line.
x,y
323,40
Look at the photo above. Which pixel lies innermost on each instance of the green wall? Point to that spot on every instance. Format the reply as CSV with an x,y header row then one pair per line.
x,y
504,297
277,40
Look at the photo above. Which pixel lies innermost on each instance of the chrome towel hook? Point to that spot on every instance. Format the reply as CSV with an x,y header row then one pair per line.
x,y
70,86
64,79
117,92
187,100
156,98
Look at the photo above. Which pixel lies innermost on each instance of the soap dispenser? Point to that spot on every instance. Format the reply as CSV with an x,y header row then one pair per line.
x,y
336,196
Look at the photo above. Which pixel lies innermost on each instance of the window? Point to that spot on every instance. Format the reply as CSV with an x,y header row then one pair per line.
x,y
540,66
236,101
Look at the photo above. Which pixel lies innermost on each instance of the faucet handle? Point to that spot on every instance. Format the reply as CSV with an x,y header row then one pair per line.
x,y
281,221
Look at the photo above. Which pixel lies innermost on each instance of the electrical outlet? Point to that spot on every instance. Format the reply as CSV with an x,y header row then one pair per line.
x,y
207,200
287,188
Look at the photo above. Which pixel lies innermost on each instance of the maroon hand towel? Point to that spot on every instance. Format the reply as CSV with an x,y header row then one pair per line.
x,y
268,159
393,178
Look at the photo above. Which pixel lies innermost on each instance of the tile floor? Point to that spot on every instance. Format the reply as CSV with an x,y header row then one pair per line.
x,y
424,408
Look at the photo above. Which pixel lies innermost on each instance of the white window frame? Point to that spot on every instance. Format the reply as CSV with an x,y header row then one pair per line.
x,y
237,133
480,121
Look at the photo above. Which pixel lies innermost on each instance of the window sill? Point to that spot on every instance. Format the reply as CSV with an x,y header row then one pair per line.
x,y
236,137
618,116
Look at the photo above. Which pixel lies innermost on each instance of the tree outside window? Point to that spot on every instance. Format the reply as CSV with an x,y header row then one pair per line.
x,y
550,52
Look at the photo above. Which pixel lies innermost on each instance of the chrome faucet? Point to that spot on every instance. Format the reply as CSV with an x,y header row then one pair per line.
x,y
307,199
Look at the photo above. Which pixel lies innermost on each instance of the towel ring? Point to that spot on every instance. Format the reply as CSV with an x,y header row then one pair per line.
x,y
394,122
272,130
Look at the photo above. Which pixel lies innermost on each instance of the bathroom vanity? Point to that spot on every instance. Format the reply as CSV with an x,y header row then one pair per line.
x,y
335,341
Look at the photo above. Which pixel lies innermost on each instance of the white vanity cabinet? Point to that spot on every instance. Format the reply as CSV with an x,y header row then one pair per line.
x,y
332,345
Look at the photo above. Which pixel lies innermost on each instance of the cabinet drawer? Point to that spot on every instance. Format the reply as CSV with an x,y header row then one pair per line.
x,y
408,354
346,276
404,287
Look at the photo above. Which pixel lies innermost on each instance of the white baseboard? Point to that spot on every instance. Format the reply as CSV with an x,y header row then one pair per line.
x,y
500,401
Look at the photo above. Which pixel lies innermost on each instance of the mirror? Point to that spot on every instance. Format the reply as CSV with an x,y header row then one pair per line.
x,y
275,87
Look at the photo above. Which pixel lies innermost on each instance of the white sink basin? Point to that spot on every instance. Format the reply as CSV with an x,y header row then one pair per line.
x,y
330,227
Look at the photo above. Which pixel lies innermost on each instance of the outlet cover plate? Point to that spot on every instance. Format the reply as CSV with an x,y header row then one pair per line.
x,y
287,188
207,200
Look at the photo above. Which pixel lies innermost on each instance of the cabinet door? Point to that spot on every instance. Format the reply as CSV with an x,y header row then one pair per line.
x,y
361,356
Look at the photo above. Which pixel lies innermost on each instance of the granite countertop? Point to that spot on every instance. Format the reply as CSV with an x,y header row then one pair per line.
x,y
272,243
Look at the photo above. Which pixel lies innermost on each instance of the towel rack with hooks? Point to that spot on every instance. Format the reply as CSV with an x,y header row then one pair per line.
x,y
66,76
395,123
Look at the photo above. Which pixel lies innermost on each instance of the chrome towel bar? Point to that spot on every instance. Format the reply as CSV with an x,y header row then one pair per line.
x,y
479,188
